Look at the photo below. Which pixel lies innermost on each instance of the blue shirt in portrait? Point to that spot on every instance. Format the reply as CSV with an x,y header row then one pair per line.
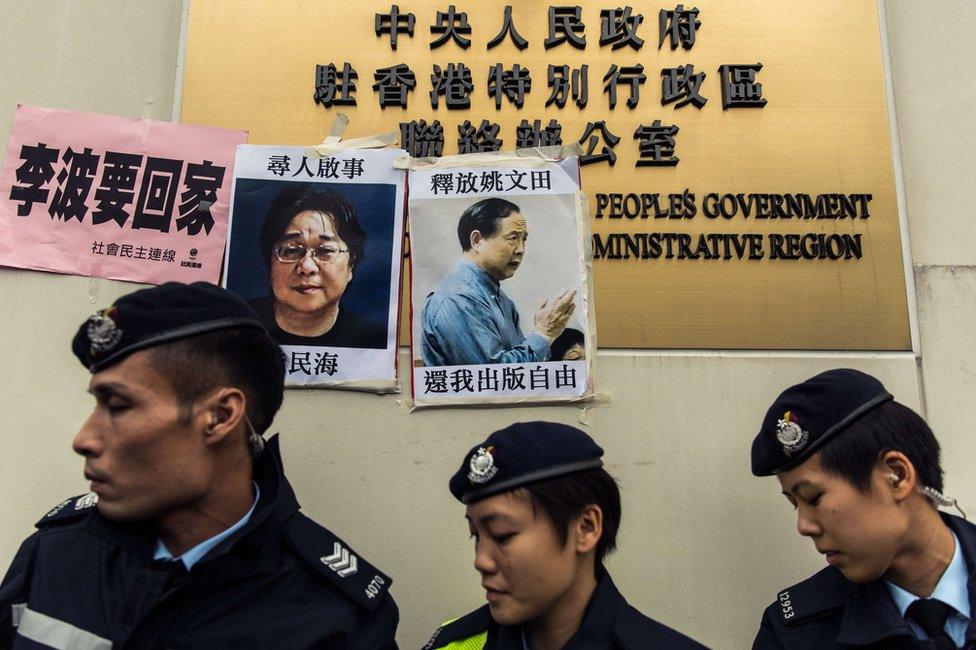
x,y
469,320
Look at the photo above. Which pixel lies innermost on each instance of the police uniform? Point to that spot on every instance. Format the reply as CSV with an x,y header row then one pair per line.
x,y
529,452
279,581
827,610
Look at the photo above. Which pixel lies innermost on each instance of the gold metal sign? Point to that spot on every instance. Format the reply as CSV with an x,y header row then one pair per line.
x,y
720,224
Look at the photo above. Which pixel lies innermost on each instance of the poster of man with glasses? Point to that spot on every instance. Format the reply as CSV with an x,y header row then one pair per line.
x,y
315,248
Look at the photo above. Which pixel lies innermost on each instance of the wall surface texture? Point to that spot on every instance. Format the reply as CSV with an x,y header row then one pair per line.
x,y
703,547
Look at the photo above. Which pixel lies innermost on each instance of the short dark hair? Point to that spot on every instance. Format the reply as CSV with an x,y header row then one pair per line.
x,y
561,344
295,200
561,499
483,216
854,453
246,358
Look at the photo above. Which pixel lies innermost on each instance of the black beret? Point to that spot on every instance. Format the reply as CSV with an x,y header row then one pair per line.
x,y
525,452
149,317
806,416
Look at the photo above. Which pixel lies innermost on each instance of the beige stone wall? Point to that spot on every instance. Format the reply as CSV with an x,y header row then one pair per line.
x,y
703,546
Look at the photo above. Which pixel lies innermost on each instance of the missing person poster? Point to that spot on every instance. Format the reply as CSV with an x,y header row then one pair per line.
x,y
500,286
115,197
315,247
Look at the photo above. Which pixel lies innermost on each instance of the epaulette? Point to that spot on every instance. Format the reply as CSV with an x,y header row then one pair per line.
x,y
467,626
336,562
73,508
821,593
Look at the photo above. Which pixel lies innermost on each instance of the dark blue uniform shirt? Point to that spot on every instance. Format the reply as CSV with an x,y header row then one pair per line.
x,y
609,623
280,581
829,611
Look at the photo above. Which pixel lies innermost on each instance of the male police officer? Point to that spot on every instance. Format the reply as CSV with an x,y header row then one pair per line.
x,y
191,536
863,473
543,513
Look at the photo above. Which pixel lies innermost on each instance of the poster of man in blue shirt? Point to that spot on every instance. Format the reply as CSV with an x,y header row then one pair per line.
x,y
469,319
500,281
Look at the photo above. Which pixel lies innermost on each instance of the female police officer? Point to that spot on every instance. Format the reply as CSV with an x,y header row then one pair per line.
x,y
543,514
863,473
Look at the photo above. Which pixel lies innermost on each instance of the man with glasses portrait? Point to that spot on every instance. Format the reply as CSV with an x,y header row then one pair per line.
x,y
311,243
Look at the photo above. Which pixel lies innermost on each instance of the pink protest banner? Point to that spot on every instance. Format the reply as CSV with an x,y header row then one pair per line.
x,y
115,197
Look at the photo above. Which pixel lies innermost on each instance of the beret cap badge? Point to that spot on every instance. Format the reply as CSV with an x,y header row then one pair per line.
x,y
103,333
482,466
790,434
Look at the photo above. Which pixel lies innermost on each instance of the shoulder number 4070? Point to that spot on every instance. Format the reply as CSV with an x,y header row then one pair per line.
x,y
373,588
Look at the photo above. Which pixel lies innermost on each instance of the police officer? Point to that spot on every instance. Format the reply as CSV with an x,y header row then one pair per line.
x,y
543,513
191,537
863,473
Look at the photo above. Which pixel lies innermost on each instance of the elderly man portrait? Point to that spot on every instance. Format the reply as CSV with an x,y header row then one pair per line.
x,y
469,319
312,244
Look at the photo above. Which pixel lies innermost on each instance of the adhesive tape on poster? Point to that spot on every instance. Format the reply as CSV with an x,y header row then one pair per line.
x,y
529,157
334,142
339,125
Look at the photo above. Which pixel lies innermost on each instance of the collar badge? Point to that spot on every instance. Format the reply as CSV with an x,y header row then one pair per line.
x,y
103,333
482,465
86,501
790,434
